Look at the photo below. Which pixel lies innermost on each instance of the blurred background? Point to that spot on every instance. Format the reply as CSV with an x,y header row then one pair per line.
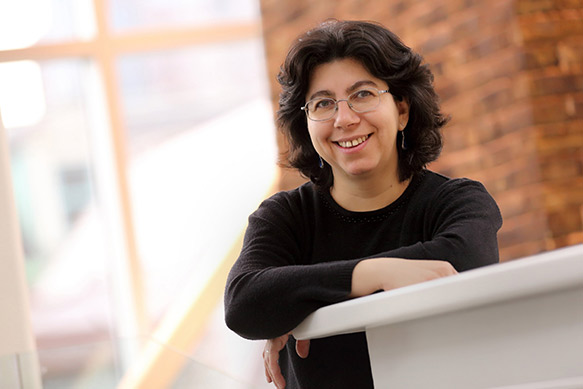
x,y
141,136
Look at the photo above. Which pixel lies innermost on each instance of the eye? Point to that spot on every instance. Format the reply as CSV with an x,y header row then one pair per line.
x,y
323,104
363,94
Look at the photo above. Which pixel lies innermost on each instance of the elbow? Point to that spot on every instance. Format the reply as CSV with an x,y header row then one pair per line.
x,y
249,320
236,312
235,321
234,315
251,316
240,320
239,314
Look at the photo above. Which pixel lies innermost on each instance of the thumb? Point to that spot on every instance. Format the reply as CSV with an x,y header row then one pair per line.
x,y
303,348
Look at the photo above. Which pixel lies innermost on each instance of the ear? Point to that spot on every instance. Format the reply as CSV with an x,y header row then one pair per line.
x,y
403,109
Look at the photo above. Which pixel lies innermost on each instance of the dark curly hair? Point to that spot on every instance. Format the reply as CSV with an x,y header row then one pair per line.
x,y
383,54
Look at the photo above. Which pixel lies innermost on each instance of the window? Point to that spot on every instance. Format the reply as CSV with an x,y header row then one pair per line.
x,y
141,137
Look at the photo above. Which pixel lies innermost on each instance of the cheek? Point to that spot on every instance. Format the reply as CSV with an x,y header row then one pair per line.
x,y
313,140
317,134
311,134
389,120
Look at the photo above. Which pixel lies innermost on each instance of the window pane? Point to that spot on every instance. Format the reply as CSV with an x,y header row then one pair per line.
x,y
24,23
172,91
65,248
22,95
203,151
144,14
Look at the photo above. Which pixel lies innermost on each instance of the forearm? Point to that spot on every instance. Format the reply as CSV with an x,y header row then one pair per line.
x,y
444,255
374,274
464,252
263,304
365,277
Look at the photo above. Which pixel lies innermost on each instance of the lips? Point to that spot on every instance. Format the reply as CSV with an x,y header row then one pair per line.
x,y
352,143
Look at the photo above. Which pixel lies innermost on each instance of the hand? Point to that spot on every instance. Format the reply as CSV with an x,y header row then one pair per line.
x,y
271,358
375,274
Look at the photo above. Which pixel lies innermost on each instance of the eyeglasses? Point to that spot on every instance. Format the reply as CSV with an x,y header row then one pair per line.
x,y
324,108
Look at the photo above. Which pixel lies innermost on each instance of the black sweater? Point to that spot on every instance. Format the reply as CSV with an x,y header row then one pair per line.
x,y
301,247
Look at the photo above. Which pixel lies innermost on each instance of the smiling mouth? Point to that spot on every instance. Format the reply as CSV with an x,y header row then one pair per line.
x,y
352,143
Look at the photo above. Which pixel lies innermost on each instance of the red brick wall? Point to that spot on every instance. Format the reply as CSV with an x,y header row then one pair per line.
x,y
510,73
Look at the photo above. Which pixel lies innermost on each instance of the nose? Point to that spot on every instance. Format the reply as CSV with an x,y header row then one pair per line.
x,y
345,116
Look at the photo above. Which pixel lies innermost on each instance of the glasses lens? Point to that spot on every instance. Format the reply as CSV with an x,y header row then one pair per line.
x,y
364,100
321,109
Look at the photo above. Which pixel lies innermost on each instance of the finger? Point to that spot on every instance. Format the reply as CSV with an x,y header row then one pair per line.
x,y
265,366
271,358
275,372
303,348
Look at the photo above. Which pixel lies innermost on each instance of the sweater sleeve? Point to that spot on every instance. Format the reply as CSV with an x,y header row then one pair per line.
x,y
269,292
462,222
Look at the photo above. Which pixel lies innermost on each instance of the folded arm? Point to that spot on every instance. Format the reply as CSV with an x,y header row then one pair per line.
x,y
268,293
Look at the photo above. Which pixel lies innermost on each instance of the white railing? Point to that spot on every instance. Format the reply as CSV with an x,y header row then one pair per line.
x,y
506,325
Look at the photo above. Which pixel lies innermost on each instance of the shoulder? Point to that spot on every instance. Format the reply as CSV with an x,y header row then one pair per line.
x,y
445,194
437,185
286,214
289,203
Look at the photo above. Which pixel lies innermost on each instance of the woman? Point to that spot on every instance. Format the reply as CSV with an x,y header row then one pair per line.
x,y
363,121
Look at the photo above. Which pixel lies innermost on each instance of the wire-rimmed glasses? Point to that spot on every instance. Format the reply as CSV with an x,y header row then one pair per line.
x,y
324,108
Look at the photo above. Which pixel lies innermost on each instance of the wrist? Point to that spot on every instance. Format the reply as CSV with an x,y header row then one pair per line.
x,y
365,277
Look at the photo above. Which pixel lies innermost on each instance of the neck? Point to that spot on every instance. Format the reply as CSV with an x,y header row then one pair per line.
x,y
366,194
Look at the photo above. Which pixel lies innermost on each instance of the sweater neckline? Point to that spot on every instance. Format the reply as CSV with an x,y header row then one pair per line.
x,y
377,214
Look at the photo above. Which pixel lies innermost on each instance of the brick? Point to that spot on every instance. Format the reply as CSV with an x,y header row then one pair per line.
x,y
455,138
519,201
466,25
528,6
559,194
432,15
563,166
524,228
574,103
520,250
497,94
556,84
557,141
565,221
520,172
507,147
550,109
506,64
541,54
570,54
515,117
568,239
550,25
484,46
435,42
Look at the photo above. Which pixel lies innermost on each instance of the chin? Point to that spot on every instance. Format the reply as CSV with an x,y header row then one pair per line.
x,y
358,171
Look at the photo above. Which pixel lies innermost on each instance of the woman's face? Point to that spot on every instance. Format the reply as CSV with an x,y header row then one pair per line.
x,y
356,145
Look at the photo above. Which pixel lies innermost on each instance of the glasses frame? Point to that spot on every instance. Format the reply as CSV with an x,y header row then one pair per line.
x,y
307,111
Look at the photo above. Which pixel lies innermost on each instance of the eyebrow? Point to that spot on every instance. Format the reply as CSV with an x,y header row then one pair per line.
x,y
350,89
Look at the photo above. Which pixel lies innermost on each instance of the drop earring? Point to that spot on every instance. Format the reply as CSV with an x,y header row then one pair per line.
x,y
321,164
403,146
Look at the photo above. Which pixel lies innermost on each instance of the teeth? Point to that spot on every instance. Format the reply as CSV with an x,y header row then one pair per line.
x,y
353,143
